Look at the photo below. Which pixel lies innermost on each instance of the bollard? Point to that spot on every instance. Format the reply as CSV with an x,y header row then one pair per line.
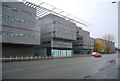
x,y
35,57
31,57
46,57
27,58
22,58
16,58
43,57
3,59
10,58
39,57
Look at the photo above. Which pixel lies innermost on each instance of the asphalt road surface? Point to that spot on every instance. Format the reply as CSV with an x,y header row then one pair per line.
x,y
86,67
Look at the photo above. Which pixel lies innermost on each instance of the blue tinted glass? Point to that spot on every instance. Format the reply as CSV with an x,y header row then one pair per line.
x,y
17,10
14,9
32,23
30,36
21,35
11,18
27,22
17,19
10,34
35,37
6,6
26,35
38,36
15,34
22,20
32,14
5,16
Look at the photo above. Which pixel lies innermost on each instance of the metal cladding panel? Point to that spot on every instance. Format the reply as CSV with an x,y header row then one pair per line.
x,y
24,15
64,29
46,45
18,25
50,31
62,44
85,42
46,28
21,10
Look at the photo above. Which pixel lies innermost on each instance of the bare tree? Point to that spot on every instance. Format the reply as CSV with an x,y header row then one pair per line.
x,y
109,43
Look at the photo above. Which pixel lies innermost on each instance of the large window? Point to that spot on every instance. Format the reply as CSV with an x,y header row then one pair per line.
x,y
16,19
17,10
56,52
46,42
79,38
13,34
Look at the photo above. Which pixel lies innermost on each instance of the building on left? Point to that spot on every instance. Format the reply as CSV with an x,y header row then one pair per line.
x,y
20,31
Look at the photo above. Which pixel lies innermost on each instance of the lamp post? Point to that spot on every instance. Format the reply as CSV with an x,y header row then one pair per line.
x,y
114,2
118,3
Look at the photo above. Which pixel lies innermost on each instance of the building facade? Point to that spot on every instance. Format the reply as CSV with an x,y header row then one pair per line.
x,y
84,44
20,31
57,35
24,35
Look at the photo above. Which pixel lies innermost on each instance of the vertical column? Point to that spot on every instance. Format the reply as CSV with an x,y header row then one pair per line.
x,y
118,37
0,42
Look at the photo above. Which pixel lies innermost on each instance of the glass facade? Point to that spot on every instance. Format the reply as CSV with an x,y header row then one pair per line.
x,y
56,52
82,51
40,52
85,51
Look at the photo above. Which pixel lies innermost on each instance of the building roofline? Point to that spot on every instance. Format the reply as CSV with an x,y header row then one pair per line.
x,y
42,10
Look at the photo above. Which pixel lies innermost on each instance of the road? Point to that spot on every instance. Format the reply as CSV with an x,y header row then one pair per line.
x,y
86,67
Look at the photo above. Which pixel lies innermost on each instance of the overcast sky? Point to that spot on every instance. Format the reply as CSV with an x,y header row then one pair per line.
x,y
102,14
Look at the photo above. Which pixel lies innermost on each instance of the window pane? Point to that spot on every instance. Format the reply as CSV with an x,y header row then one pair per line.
x,y
11,18
21,35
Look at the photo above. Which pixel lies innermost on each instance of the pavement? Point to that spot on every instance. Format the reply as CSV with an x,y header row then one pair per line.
x,y
89,67
108,72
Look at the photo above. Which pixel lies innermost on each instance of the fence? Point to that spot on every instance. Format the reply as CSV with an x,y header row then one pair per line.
x,y
24,58
30,58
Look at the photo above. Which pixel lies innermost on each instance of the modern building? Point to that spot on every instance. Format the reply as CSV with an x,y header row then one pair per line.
x,y
57,35
20,31
84,43
26,33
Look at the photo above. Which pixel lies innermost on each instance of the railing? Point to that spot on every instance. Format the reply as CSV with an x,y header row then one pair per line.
x,y
31,58
24,58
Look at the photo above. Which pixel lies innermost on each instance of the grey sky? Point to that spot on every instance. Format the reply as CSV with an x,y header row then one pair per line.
x,y
102,14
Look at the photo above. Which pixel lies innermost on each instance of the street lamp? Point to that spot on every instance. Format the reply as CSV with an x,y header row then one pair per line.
x,y
114,2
